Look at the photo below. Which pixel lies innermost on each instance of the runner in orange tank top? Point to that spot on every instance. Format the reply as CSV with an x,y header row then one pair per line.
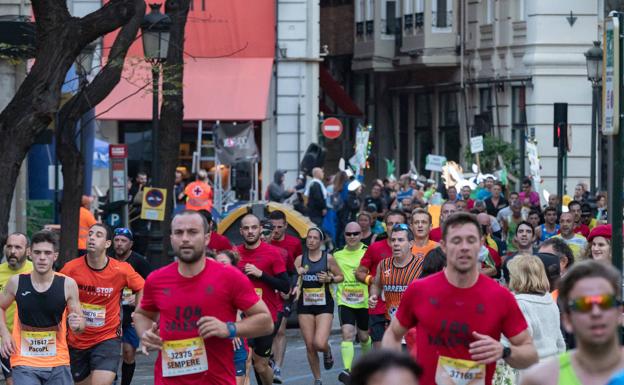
x,y
395,274
38,346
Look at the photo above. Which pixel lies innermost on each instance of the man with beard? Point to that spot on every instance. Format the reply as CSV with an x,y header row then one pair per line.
x,y
292,245
188,312
16,253
95,352
266,269
589,295
47,303
460,315
122,245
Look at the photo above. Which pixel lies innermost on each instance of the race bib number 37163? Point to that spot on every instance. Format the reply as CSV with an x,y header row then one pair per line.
x,y
454,371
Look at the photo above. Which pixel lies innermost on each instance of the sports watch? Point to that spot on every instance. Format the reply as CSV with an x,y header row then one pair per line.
x,y
231,329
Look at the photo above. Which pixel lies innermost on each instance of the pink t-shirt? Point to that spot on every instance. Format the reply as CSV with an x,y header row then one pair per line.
x,y
218,291
445,317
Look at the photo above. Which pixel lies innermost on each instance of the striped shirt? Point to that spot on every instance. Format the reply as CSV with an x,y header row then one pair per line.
x,y
395,280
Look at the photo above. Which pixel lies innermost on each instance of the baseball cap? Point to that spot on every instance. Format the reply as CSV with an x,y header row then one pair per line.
x,y
125,232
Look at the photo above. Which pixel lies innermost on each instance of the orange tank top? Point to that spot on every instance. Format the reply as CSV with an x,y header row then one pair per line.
x,y
40,329
395,280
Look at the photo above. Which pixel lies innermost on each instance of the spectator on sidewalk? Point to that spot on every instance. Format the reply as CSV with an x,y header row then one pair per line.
x,y
317,195
276,191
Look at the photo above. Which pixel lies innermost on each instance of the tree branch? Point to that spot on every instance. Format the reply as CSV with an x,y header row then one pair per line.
x,y
109,76
111,16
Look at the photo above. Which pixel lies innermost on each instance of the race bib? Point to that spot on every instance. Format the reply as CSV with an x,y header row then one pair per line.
x,y
314,296
353,295
181,357
95,315
126,295
38,344
258,291
453,371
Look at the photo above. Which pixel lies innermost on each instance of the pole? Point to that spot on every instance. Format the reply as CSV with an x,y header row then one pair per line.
x,y
592,172
155,79
615,196
560,154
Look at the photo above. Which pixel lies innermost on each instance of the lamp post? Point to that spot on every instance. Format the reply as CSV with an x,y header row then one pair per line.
x,y
155,31
593,57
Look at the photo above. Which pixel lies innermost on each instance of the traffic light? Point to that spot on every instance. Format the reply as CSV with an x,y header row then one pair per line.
x,y
560,125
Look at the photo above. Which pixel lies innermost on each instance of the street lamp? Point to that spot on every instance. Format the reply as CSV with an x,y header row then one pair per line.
x,y
593,57
155,31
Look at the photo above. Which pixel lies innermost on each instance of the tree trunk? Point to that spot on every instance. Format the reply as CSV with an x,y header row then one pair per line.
x,y
60,38
73,181
172,112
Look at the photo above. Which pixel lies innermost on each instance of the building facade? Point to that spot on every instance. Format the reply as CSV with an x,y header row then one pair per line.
x,y
441,71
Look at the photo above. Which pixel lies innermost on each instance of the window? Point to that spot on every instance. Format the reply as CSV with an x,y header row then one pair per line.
x,y
408,13
442,15
485,99
360,6
518,120
419,17
389,19
424,139
370,17
448,109
489,11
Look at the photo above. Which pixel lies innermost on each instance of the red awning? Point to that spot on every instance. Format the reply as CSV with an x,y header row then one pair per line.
x,y
334,90
214,89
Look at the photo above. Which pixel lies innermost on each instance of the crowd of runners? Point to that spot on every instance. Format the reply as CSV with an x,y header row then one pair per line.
x,y
425,305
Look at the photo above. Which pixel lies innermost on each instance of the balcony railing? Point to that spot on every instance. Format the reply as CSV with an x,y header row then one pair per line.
x,y
419,19
370,27
408,21
442,19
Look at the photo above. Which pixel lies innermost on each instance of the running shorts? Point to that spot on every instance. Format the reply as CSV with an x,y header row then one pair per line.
x,y
103,356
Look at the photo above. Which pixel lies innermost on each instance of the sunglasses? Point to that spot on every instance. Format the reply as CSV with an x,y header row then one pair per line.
x,y
400,226
266,232
355,234
586,304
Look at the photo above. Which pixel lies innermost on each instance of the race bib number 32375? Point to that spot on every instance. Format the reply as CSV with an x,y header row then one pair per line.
x,y
182,357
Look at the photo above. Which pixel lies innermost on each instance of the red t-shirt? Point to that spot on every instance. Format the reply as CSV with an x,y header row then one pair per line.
x,y
219,242
582,229
268,259
445,317
436,234
376,253
293,246
218,291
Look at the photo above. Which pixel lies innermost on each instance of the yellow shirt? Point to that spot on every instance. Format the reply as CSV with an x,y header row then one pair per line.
x,y
5,273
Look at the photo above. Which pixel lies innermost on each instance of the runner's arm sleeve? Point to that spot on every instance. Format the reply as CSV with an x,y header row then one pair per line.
x,y
279,282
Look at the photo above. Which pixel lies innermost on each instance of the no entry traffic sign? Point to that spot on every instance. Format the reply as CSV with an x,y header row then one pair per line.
x,y
331,128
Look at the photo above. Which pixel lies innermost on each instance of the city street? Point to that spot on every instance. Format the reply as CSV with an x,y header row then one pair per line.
x,y
295,371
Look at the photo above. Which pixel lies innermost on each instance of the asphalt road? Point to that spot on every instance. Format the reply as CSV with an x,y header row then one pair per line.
x,y
295,371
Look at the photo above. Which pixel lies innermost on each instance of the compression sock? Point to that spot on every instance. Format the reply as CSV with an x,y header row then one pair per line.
x,y
348,351
127,372
366,345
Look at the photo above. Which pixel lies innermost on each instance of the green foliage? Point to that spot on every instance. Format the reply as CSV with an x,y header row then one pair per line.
x,y
492,148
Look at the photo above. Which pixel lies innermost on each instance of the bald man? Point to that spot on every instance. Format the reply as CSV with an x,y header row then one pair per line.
x,y
352,297
317,194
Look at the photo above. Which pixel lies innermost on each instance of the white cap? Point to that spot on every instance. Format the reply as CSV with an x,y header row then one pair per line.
x,y
354,185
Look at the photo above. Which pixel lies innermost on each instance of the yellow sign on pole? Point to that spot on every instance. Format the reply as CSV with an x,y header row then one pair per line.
x,y
154,202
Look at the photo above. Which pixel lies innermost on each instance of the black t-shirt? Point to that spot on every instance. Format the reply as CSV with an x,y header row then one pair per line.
x,y
378,202
140,264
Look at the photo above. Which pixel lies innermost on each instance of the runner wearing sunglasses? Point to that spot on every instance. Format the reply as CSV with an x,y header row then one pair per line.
x,y
352,297
589,297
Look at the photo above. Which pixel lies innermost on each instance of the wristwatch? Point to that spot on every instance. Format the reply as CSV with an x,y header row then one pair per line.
x,y
506,352
231,329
